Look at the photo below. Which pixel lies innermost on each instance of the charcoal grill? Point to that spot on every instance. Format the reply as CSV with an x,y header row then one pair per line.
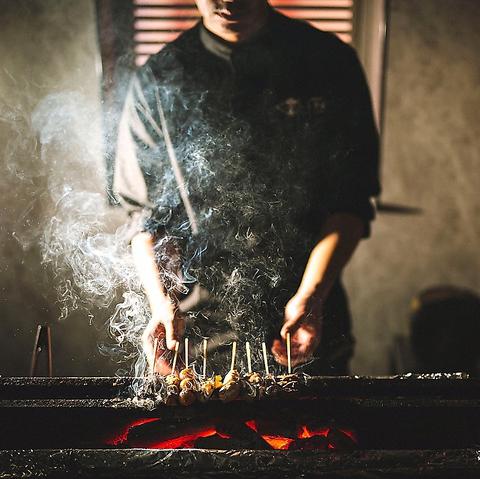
x,y
404,426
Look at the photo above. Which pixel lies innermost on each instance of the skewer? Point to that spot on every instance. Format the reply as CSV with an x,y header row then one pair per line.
x,y
154,362
204,357
265,359
186,353
289,354
234,354
249,357
175,357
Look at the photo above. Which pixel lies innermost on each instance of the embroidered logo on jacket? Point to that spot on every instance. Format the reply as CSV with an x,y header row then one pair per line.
x,y
291,107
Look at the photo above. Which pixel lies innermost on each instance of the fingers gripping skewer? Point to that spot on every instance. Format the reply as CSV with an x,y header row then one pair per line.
x,y
265,359
289,354
205,358
234,354
249,357
175,356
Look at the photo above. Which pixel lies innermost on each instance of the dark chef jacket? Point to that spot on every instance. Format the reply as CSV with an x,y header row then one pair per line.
x,y
271,137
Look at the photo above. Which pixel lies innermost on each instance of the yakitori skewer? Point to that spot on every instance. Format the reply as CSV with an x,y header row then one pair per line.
x,y
252,378
231,382
249,357
173,380
204,358
188,383
175,356
265,359
154,360
234,355
289,354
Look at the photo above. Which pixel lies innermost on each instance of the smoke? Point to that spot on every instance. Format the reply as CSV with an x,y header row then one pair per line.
x,y
61,241
89,255
249,252
241,256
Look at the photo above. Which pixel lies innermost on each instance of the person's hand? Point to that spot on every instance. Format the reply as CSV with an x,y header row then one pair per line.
x,y
303,320
167,325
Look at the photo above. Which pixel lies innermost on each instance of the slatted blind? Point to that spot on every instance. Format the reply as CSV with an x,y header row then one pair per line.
x,y
158,22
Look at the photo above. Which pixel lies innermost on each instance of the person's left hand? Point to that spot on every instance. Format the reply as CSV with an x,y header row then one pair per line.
x,y
303,320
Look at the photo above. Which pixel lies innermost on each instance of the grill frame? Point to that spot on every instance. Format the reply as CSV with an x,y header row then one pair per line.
x,y
142,463
72,411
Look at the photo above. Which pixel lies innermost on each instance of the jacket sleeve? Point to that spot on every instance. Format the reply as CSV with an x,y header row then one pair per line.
x,y
355,145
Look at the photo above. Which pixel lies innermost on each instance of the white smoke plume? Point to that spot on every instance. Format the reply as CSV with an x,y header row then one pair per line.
x,y
92,262
90,259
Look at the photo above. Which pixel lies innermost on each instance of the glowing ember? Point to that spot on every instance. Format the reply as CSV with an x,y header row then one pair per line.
x,y
252,424
278,442
350,434
123,435
305,433
187,441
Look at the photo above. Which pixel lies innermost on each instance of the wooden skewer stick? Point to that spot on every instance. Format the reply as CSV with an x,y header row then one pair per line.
x,y
154,361
249,357
234,354
186,353
174,364
289,354
265,359
204,357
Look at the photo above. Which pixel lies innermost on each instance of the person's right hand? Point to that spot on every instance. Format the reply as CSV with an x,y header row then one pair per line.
x,y
303,320
167,324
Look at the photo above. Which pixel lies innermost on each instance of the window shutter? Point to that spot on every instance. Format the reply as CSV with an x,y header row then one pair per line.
x,y
157,22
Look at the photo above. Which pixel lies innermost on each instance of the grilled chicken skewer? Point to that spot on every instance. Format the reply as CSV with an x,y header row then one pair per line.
x,y
186,387
172,381
231,383
188,384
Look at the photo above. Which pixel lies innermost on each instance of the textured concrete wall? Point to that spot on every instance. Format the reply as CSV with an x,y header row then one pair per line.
x,y
431,160
49,62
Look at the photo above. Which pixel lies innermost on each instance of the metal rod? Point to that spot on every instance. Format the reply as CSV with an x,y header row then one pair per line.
x,y
35,352
43,342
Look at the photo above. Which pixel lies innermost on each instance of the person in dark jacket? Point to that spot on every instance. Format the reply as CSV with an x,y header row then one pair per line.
x,y
247,158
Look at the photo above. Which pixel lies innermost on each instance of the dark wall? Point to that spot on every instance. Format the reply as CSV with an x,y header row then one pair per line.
x,y
431,160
